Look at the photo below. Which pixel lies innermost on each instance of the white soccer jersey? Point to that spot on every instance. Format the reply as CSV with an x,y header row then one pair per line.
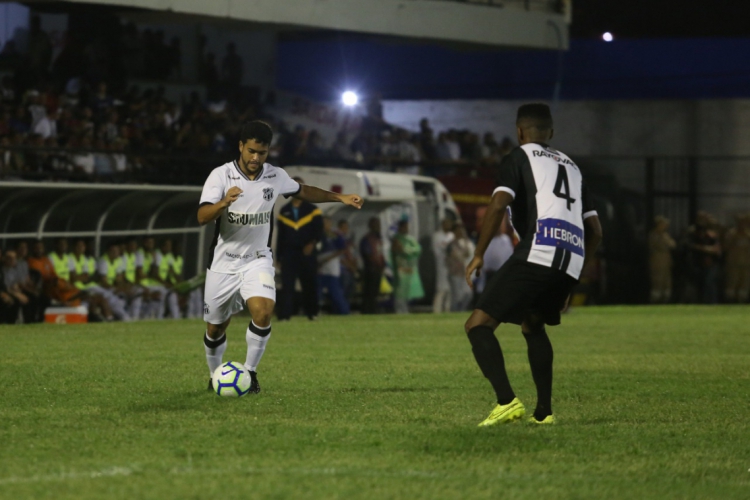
x,y
550,203
243,232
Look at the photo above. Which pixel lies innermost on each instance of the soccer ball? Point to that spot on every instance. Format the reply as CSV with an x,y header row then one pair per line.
x,y
231,379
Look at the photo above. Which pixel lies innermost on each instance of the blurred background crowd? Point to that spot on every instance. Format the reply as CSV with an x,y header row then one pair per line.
x,y
74,116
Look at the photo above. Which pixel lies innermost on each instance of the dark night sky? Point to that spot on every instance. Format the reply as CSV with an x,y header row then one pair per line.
x,y
661,18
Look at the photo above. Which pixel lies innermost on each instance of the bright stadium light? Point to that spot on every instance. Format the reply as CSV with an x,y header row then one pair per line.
x,y
607,36
349,98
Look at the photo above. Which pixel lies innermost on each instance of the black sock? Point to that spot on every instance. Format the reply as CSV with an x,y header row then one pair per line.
x,y
489,357
540,359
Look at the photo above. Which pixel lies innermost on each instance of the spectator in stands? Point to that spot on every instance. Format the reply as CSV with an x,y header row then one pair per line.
x,y
82,276
705,249
46,127
348,261
316,152
33,284
441,302
295,146
489,146
405,150
406,251
341,151
427,140
54,287
371,249
447,150
460,253
332,247
8,304
471,150
737,265
17,284
660,245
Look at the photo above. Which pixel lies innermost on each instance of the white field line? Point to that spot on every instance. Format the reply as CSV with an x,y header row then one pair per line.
x,y
189,470
65,476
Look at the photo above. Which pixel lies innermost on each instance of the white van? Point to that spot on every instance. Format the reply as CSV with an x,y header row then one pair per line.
x,y
425,201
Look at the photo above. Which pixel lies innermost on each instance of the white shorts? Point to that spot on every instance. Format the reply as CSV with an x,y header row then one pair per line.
x,y
225,294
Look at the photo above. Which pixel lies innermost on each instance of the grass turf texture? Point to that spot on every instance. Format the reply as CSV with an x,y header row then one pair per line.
x,y
651,402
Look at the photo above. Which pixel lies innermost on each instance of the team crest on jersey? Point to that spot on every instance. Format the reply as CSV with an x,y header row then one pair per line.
x,y
268,194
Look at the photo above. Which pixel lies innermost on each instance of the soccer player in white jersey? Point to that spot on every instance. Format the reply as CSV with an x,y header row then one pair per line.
x,y
560,232
240,196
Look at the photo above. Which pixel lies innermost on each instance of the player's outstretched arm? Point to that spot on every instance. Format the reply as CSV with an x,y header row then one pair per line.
x,y
316,195
211,211
492,219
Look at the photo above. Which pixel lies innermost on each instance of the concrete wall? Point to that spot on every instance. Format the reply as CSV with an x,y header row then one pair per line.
x,y
423,19
632,128
710,127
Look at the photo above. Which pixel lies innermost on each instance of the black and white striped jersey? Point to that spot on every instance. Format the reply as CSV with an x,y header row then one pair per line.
x,y
550,203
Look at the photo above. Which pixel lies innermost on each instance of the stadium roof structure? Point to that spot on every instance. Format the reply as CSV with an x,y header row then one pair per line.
x,y
39,210
534,24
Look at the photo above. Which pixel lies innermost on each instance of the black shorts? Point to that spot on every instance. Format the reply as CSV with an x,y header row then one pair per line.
x,y
520,288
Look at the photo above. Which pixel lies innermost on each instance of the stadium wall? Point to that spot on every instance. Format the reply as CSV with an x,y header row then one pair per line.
x,y
621,135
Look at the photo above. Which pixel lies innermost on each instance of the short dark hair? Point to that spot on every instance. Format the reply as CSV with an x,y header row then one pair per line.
x,y
257,130
539,115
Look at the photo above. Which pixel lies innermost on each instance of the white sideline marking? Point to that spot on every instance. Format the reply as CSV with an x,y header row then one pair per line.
x,y
292,471
63,476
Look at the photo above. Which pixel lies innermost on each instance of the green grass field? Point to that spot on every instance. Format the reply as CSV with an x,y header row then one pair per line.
x,y
652,402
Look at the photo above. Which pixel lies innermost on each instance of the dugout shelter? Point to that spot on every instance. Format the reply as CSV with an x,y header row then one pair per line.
x,y
102,213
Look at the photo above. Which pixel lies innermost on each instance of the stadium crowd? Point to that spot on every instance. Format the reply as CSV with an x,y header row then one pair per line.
x,y
74,117
127,282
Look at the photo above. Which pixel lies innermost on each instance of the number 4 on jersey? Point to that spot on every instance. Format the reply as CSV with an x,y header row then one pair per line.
x,y
562,186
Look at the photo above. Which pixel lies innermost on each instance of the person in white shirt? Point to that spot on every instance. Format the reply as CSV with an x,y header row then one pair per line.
x,y
441,302
460,252
47,126
239,196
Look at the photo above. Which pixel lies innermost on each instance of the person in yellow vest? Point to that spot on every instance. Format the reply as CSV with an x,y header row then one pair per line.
x,y
60,259
193,300
83,277
163,259
133,261
148,277
111,271
64,268
737,264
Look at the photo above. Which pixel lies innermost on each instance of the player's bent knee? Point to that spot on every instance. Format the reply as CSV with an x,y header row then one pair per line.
x,y
479,318
216,331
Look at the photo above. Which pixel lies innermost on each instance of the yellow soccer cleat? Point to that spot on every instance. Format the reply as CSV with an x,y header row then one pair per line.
x,y
548,420
505,413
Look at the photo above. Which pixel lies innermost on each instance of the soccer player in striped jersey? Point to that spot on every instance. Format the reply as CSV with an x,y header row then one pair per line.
x,y
560,232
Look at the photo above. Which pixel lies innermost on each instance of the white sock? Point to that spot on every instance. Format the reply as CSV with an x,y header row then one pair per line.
x,y
257,338
214,351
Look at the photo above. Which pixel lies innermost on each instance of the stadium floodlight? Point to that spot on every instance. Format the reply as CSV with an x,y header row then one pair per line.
x,y
349,98
607,36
